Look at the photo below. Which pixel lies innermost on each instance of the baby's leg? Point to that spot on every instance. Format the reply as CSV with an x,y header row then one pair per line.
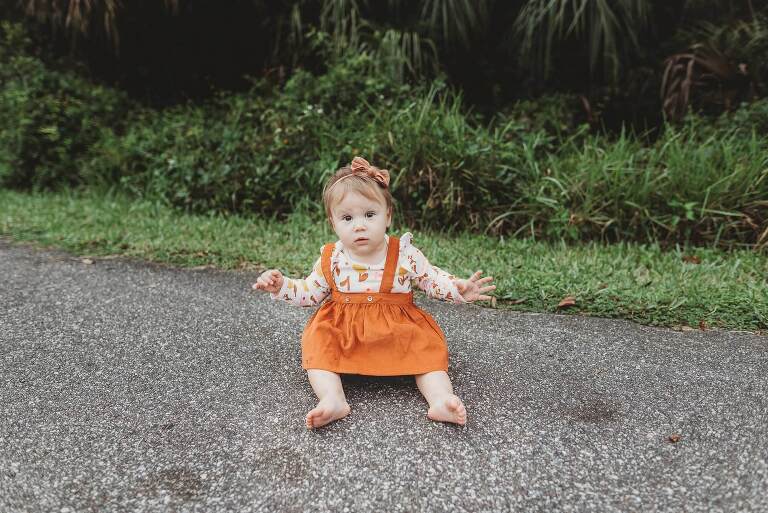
x,y
443,404
332,403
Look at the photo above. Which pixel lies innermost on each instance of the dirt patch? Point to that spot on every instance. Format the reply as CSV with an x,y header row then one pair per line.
x,y
595,412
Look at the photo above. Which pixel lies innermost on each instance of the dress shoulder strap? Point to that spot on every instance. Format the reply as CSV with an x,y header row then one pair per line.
x,y
325,263
393,255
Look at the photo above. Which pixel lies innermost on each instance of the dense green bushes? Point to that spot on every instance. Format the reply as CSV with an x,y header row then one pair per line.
x,y
48,119
531,171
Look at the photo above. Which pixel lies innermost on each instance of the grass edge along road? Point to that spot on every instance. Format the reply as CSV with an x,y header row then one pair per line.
x,y
695,287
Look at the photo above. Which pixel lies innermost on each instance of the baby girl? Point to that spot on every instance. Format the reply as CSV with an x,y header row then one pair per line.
x,y
369,324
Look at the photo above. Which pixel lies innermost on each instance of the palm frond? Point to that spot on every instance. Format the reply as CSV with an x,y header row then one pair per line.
x,y
715,67
82,17
604,25
405,54
342,20
455,20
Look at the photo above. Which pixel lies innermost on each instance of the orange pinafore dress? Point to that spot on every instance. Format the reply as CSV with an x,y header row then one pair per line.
x,y
372,333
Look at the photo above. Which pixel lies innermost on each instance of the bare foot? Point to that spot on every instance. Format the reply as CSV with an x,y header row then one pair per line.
x,y
327,410
448,409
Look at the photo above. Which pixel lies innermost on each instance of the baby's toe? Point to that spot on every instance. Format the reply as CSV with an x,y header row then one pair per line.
x,y
314,416
459,410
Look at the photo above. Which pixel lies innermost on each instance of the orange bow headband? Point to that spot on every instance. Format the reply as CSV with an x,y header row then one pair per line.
x,y
361,167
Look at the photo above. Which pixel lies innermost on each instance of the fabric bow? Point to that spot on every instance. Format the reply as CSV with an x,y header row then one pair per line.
x,y
361,166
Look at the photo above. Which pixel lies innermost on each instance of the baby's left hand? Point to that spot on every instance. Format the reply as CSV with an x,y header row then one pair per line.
x,y
473,289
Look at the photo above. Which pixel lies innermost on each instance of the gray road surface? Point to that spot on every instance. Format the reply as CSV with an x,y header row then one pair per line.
x,y
128,386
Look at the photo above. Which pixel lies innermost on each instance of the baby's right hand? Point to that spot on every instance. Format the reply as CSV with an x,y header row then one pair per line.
x,y
269,281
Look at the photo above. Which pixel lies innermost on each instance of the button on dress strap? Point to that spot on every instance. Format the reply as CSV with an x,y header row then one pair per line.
x,y
325,263
393,254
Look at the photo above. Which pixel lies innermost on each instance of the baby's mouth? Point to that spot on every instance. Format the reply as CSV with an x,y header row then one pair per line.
x,y
361,239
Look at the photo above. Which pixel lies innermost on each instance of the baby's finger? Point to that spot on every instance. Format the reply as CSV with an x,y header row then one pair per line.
x,y
484,298
487,289
484,280
476,275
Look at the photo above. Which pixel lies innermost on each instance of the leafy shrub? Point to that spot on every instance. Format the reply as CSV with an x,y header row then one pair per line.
x,y
270,152
748,117
553,113
265,151
199,158
532,171
48,119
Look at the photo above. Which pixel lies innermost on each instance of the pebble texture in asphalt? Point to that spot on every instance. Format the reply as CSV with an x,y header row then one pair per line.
x,y
128,386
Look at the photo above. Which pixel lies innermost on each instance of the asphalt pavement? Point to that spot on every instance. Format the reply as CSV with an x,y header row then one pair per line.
x,y
131,386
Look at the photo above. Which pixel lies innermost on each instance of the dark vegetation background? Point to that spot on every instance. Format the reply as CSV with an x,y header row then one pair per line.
x,y
553,119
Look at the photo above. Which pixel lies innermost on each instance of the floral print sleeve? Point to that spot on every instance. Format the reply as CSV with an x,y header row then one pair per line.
x,y
309,291
437,283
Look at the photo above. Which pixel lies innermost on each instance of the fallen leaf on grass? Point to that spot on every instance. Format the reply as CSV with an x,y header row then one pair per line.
x,y
86,261
703,325
691,259
567,301
673,438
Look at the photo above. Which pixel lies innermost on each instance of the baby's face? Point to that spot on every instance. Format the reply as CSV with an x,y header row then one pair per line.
x,y
361,225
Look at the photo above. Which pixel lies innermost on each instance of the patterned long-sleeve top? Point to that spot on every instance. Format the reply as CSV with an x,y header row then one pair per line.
x,y
412,268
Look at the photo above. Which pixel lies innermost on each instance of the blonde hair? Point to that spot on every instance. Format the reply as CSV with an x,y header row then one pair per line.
x,y
347,180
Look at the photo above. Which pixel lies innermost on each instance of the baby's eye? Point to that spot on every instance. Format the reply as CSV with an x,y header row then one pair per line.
x,y
370,214
346,218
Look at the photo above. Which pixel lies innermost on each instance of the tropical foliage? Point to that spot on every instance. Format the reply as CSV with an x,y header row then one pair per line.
x,y
440,92
48,120
497,51
532,170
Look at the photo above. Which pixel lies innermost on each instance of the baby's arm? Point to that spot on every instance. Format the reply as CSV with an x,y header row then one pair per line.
x,y
309,291
431,279
439,284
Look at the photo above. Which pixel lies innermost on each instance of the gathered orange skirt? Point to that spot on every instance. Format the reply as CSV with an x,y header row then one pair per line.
x,y
372,333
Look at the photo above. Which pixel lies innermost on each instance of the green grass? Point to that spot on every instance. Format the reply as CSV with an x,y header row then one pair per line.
x,y
638,282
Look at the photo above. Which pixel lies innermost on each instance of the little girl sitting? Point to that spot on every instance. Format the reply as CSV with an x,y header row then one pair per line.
x,y
370,325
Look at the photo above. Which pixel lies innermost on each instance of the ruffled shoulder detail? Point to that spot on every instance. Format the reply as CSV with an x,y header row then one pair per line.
x,y
406,242
337,246
336,254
